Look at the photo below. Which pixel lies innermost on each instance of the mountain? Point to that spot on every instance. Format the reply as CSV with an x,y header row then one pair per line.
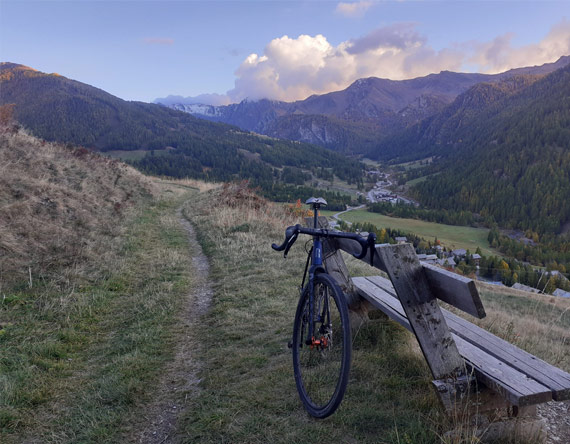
x,y
56,108
453,126
354,119
502,151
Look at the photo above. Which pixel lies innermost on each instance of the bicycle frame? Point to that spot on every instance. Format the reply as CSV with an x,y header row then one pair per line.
x,y
316,254
316,265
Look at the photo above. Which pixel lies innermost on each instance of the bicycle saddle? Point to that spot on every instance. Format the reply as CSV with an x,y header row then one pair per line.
x,y
316,201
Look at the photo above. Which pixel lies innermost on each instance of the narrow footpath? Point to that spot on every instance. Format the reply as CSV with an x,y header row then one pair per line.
x,y
179,382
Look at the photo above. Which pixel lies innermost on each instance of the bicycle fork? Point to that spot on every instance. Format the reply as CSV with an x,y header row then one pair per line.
x,y
315,256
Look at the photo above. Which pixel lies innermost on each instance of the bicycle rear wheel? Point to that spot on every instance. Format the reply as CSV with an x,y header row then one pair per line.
x,y
322,366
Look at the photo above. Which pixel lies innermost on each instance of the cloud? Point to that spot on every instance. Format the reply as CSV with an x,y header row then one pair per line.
x,y
500,55
158,41
398,36
294,68
355,9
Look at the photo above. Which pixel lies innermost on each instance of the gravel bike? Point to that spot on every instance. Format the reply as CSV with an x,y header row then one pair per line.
x,y
321,342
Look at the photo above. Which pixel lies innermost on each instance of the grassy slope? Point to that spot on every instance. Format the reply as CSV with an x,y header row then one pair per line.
x,y
75,365
451,236
93,268
80,362
248,392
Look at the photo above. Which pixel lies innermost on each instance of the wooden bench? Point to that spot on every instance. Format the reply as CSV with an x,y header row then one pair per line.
x,y
475,372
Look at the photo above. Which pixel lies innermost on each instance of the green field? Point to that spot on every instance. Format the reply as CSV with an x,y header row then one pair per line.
x,y
413,182
328,213
450,236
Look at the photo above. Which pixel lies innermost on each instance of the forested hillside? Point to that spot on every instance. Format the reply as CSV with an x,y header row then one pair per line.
x,y
178,144
456,126
503,151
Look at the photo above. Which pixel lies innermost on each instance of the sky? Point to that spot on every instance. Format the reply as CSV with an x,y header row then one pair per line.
x,y
221,52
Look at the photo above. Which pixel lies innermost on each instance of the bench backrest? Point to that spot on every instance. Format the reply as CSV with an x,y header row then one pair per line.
x,y
418,286
449,287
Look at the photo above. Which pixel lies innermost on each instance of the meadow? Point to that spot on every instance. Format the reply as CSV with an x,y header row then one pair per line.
x,y
450,236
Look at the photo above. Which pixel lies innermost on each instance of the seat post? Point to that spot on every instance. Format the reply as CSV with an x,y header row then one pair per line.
x,y
316,215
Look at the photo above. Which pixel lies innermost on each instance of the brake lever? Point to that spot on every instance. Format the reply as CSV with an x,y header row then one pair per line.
x,y
289,233
365,244
290,243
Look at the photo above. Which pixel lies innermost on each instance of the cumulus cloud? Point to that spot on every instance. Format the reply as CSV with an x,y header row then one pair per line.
x,y
295,68
353,9
158,41
500,55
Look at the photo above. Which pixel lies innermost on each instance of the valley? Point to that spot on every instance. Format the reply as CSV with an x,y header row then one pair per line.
x,y
426,171
92,343
151,155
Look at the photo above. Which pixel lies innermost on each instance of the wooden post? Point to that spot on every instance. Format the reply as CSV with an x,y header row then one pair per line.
x,y
422,310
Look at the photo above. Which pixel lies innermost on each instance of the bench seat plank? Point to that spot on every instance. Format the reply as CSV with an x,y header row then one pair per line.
x,y
515,386
554,378
548,375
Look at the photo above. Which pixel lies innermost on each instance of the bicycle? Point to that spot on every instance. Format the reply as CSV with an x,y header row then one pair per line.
x,y
321,343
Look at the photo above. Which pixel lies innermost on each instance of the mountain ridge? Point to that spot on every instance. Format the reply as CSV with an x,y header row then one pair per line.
x,y
374,105
56,108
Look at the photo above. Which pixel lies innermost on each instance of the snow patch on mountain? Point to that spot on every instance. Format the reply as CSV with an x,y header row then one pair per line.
x,y
198,108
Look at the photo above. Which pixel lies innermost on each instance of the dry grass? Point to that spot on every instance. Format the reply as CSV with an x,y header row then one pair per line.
x,y
191,183
60,207
539,324
76,362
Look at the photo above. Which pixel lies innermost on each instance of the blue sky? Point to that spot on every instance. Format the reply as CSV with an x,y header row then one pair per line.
x,y
283,50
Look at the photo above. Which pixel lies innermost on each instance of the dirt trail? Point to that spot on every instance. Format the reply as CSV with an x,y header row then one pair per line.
x,y
180,379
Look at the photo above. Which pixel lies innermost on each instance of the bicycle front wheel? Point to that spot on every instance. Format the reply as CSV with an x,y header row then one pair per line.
x,y
321,358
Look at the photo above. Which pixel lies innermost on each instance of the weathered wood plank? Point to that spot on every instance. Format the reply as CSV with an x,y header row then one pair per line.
x,y
383,300
422,310
548,375
456,290
503,353
516,387
552,377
